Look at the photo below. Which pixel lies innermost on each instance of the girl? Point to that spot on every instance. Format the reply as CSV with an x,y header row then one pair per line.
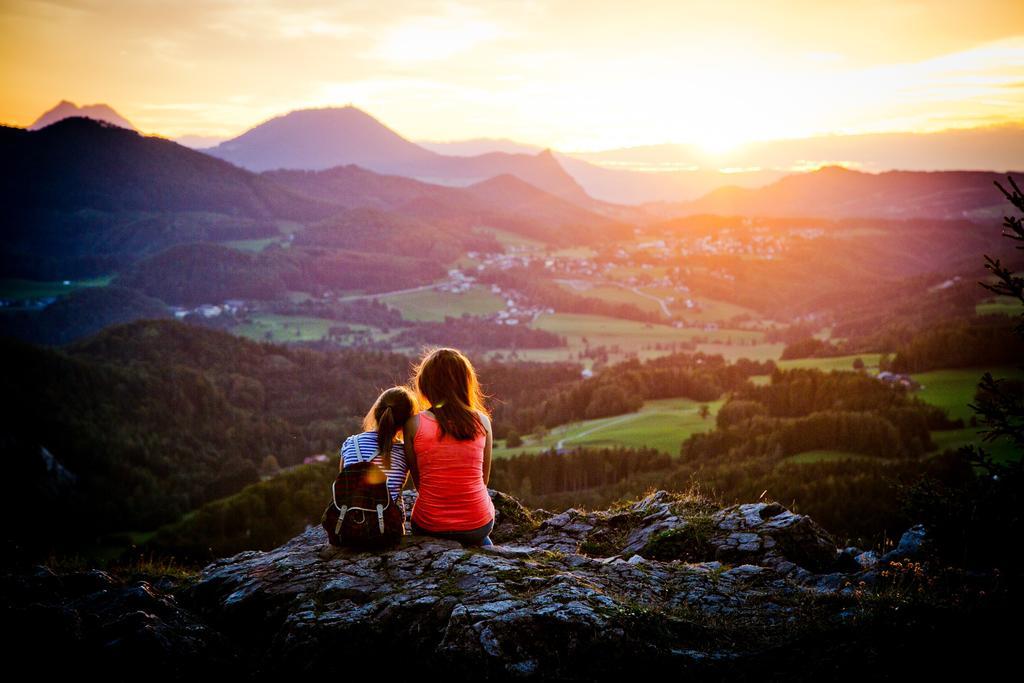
x,y
448,447
377,443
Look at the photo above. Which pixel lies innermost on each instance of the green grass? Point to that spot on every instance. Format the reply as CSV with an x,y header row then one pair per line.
x,y
824,455
628,334
733,352
282,328
662,424
510,239
574,252
251,245
834,363
1005,305
712,310
612,294
432,305
12,288
953,390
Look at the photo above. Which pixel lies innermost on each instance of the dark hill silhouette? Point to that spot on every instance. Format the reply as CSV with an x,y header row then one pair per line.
x,y
65,109
837,192
318,139
80,163
85,197
83,312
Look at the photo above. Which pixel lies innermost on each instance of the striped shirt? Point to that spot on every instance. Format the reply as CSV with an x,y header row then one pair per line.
x,y
366,450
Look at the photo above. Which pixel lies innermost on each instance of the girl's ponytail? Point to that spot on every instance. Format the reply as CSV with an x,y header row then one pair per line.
x,y
388,415
386,429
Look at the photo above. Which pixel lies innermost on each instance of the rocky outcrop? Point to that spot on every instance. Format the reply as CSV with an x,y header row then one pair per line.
x,y
666,584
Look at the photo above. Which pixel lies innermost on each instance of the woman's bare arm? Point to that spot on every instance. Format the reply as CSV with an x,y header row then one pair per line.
x,y
408,435
487,448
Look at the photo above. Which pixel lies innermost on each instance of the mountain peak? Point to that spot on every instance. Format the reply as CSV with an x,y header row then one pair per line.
x,y
66,108
318,139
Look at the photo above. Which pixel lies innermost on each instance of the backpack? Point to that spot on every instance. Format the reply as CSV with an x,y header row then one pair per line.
x,y
361,512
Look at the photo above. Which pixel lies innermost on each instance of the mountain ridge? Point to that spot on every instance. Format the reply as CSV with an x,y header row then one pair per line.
x,y
318,139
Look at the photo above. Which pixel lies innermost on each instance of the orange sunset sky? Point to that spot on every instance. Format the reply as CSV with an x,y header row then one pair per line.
x,y
573,75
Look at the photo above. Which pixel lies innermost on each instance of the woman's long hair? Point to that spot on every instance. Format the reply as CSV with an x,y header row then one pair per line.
x,y
446,382
387,415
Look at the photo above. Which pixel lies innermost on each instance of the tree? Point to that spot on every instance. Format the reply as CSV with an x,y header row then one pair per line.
x,y
269,467
704,411
972,516
999,403
513,440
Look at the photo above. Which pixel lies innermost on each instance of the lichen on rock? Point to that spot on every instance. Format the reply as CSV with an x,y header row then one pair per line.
x,y
663,584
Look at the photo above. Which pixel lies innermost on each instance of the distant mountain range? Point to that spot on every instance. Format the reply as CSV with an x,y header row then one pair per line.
x,y
85,197
317,139
836,192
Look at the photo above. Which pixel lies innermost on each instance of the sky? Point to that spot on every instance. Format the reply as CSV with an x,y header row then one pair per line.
x,y
573,75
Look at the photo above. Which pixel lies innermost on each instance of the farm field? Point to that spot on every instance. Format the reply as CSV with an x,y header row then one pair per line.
x,y
254,246
431,305
833,363
663,424
824,455
953,389
284,328
629,335
16,289
1005,305
733,352
511,239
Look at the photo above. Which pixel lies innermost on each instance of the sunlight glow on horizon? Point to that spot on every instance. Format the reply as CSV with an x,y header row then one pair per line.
x,y
565,75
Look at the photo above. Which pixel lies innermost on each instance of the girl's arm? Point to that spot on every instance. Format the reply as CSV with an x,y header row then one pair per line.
x,y
408,434
487,448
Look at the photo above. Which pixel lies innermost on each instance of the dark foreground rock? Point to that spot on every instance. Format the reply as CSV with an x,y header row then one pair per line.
x,y
668,585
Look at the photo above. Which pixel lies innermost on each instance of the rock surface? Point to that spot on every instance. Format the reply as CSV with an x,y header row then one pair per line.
x,y
667,584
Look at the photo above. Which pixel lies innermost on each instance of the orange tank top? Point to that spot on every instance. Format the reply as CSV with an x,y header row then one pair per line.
x,y
452,495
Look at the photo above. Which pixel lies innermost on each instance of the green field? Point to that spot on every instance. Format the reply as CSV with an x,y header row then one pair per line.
x,y
833,363
38,289
1005,305
286,328
823,455
953,390
663,424
733,352
630,335
711,310
432,305
510,239
612,294
252,245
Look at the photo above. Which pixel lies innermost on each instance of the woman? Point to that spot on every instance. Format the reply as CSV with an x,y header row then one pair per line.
x,y
448,448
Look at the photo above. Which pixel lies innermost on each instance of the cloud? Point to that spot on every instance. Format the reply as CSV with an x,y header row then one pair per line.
x,y
434,38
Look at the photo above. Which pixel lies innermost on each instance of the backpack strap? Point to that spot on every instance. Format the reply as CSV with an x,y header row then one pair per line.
x,y
341,518
380,516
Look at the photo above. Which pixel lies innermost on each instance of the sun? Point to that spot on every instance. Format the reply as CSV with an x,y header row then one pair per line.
x,y
719,143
